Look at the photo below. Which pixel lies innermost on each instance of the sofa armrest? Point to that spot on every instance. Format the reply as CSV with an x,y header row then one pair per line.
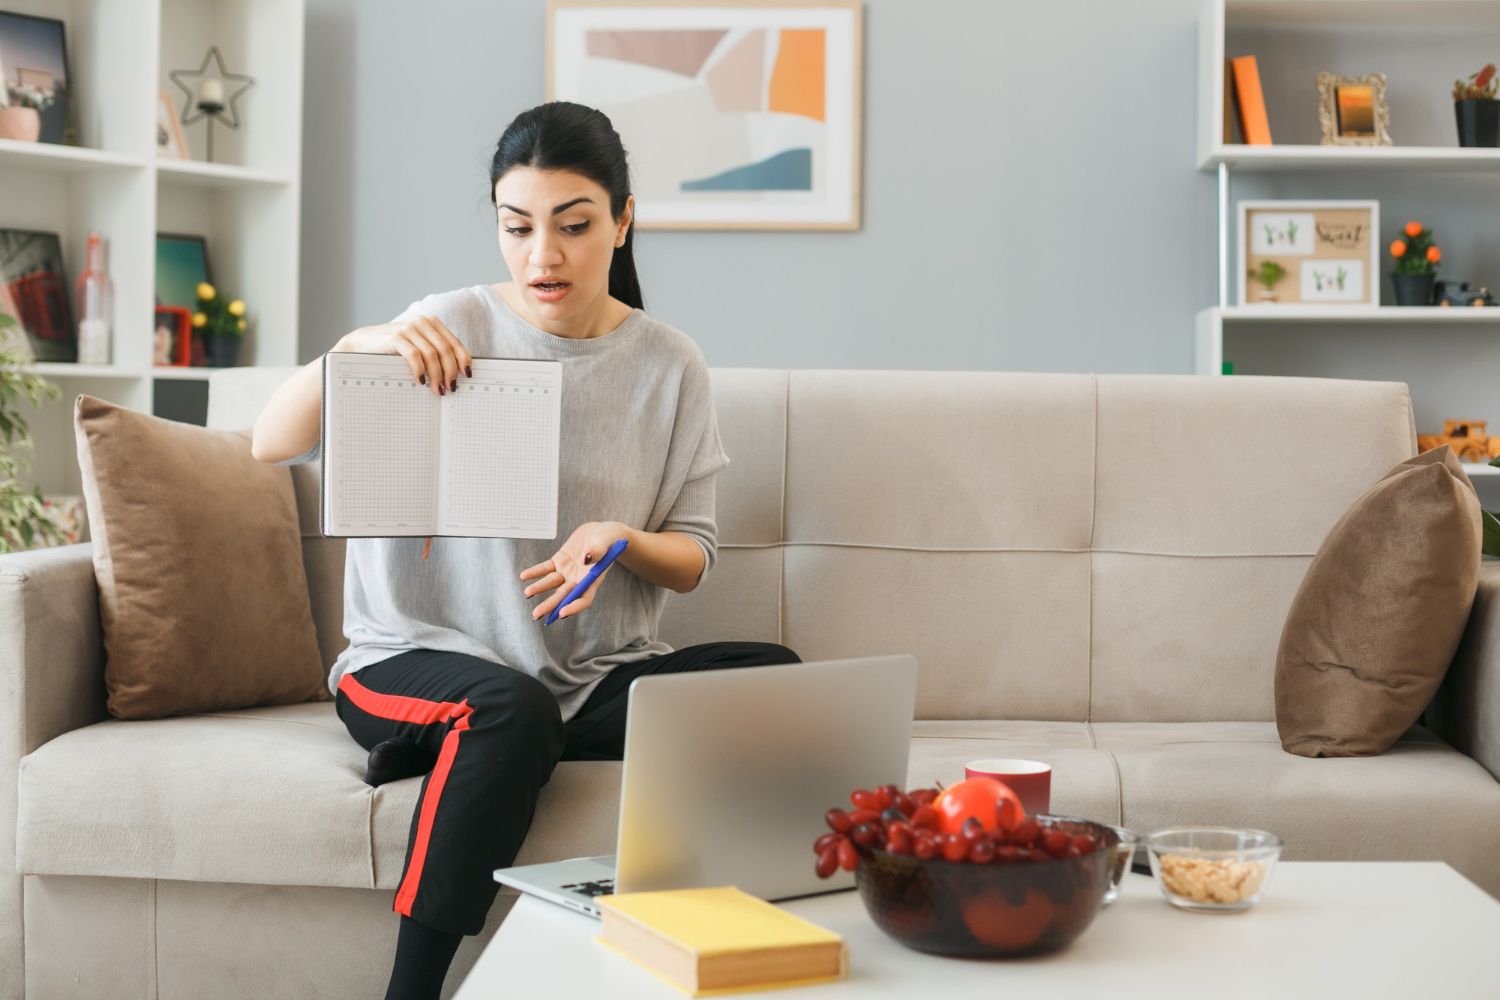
x,y
1466,710
51,648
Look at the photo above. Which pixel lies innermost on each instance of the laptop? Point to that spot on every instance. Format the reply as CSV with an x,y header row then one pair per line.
x,y
728,774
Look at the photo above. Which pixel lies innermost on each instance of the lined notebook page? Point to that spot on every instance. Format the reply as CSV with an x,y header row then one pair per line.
x,y
380,447
399,460
500,434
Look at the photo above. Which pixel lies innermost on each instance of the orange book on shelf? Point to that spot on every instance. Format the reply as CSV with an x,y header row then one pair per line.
x,y
1254,125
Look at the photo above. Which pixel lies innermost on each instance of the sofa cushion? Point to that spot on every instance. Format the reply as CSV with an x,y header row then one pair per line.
x,y
274,796
202,592
271,796
1420,800
1380,613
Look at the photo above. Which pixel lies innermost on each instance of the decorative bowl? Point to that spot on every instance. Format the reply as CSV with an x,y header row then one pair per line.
x,y
1214,868
987,910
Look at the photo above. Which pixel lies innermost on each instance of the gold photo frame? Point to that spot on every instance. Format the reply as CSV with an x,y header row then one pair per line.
x,y
1352,110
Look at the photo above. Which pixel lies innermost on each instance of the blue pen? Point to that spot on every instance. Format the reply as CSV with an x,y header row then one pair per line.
x,y
588,580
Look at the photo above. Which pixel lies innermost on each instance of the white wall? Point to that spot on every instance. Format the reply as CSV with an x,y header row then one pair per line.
x,y
1030,198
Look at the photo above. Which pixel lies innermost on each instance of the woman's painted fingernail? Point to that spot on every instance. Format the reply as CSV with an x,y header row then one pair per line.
x,y
440,389
424,378
454,386
468,372
588,557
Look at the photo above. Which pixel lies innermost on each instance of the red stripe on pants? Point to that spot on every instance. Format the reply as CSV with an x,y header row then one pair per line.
x,y
422,712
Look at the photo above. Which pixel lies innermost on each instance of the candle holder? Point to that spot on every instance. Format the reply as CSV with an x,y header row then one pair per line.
x,y
208,100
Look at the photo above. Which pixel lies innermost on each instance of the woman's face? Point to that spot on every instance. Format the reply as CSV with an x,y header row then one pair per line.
x,y
558,239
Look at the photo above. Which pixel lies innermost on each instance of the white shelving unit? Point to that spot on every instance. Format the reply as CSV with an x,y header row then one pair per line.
x,y
246,205
1418,43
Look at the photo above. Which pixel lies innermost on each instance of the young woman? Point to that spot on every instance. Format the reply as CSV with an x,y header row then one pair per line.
x,y
449,671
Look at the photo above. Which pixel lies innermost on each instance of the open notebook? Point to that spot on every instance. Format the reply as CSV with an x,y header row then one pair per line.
x,y
399,460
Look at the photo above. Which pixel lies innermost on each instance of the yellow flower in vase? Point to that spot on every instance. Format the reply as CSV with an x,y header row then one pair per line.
x,y
199,319
206,291
237,308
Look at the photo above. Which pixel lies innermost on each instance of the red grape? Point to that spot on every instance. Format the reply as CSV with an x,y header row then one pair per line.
x,y
828,860
848,856
1053,841
906,805
825,841
900,840
839,821
859,816
924,845
1007,854
923,796
982,851
865,834
972,829
956,849
1025,832
925,818
1084,844
864,799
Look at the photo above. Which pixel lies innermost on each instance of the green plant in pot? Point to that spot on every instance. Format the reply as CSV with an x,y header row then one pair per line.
x,y
1417,258
24,522
222,323
1268,274
1476,104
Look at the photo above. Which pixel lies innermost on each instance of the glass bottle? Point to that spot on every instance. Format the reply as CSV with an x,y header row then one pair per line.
x,y
95,304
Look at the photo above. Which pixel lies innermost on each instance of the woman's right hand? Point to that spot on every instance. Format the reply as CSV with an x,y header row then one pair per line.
x,y
437,358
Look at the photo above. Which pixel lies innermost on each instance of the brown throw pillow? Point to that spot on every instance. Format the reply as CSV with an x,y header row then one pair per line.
x,y
198,558
1380,612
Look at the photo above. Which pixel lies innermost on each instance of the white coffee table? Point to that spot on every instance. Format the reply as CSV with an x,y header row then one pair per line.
x,y
1324,929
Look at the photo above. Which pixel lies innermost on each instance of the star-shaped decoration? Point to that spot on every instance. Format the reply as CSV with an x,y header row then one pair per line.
x,y
190,110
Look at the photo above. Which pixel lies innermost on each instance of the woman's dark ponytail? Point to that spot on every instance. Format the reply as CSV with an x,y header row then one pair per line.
x,y
560,135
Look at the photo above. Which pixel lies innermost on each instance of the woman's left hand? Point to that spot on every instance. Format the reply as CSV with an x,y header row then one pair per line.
x,y
570,565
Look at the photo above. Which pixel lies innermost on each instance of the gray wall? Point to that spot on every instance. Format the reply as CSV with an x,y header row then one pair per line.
x,y
1030,199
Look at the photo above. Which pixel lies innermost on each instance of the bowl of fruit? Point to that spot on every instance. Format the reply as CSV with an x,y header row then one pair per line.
x,y
964,871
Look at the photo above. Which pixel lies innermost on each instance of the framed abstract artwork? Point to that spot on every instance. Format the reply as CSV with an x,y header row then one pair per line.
x,y
34,69
181,265
34,292
733,115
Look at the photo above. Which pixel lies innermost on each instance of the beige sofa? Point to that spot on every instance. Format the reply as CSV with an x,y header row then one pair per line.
x,y
1090,570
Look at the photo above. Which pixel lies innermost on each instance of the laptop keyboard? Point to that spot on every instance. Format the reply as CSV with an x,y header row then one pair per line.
x,y
603,887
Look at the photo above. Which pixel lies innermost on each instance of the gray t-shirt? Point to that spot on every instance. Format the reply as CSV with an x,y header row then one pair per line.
x,y
639,444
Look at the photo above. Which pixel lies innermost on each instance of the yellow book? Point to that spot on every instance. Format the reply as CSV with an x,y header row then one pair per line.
x,y
720,940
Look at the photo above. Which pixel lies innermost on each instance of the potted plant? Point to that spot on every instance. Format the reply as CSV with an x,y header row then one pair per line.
x,y
21,116
1268,274
1476,102
24,518
222,323
1417,258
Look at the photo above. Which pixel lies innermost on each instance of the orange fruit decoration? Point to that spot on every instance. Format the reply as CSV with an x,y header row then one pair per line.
x,y
1398,248
996,921
1413,229
1434,255
997,808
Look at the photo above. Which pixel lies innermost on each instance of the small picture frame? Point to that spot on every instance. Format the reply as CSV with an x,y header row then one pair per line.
x,y
1309,253
174,336
170,142
1353,111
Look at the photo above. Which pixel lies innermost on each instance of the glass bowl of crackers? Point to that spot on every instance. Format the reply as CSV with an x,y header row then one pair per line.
x,y
1213,868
